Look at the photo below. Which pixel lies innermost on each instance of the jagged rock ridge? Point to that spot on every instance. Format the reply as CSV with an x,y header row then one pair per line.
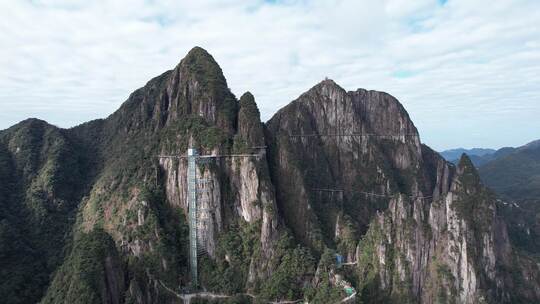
x,y
417,228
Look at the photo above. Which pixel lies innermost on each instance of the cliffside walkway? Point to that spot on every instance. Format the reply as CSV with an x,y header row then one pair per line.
x,y
187,297
370,193
392,136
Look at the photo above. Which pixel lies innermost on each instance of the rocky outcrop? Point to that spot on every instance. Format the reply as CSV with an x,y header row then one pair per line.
x,y
434,233
448,249
195,87
353,142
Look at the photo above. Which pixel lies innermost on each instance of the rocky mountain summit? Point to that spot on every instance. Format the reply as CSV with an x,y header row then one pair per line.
x,y
93,214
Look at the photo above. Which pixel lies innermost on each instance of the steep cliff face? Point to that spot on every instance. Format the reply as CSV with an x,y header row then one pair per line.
x,y
338,154
97,213
453,249
347,164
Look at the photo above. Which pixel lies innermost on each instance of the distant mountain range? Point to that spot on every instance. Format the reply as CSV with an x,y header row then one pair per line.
x,y
516,178
479,156
514,174
453,154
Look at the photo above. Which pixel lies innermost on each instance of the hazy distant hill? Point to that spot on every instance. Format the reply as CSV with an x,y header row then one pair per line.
x,y
515,172
479,156
515,175
455,154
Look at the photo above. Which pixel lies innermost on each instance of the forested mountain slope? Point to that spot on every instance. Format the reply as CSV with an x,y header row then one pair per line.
x,y
516,178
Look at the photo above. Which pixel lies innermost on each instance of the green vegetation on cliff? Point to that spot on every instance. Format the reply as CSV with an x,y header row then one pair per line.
x,y
236,249
295,264
90,274
41,177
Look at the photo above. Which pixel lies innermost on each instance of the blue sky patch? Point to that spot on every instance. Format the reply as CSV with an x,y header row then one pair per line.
x,y
403,74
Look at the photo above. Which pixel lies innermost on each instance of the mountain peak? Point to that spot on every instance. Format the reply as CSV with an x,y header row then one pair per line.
x,y
467,171
465,162
327,83
196,86
247,97
200,65
198,57
326,87
198,52
31,123
249,106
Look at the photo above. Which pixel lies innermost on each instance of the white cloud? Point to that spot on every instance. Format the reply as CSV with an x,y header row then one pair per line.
x,y
467,71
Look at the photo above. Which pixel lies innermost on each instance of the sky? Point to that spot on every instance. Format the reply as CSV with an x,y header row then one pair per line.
x,y
467,71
